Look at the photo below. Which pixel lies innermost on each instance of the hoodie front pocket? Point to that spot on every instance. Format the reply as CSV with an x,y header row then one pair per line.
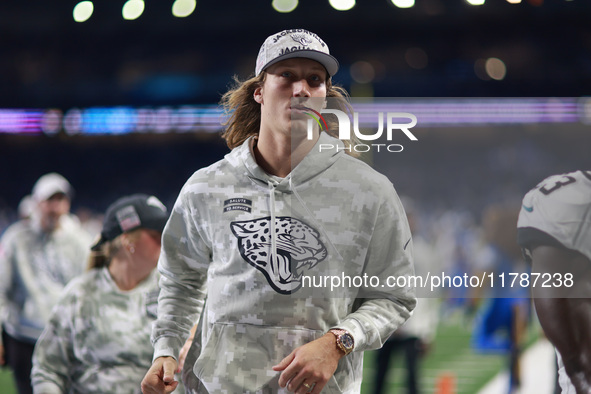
x,y
238,358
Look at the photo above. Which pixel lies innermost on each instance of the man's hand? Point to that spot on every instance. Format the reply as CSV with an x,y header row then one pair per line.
x,y
160,377
309,367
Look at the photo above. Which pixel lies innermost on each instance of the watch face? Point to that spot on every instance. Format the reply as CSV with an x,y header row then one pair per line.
x,y
347,341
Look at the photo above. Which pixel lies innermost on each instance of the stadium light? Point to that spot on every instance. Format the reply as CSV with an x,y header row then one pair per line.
x,y
495,68
513,1
342,5
362,72
284,6
475,2
403,3
416,58
183,8
83,11
132,9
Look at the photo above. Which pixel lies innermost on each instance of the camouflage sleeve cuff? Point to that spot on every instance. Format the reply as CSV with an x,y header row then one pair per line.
x,y
47,388
166,347
356,331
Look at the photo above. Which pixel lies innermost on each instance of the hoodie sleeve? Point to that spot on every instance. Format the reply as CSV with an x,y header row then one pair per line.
x,y
7,255
53,359
183,264
5,276
380,310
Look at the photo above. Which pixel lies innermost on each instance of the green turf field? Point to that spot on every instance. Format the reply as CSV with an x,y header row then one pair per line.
x,y
451,356
6,385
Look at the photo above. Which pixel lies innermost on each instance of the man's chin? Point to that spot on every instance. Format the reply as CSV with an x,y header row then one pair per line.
x,y
299,127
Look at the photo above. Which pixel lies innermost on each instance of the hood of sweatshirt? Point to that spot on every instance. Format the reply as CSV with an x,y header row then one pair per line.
x,y
314,164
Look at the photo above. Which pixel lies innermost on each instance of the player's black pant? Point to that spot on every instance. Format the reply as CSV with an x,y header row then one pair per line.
x,y
19,357
411,350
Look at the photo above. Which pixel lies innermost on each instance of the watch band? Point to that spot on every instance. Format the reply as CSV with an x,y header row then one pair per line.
x,y
344,340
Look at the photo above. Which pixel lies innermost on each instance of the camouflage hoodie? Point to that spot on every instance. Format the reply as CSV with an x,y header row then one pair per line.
x,y
35,266
252,239
98,337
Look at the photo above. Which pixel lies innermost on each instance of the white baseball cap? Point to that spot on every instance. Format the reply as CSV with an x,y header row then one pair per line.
x,y
295,43
50,184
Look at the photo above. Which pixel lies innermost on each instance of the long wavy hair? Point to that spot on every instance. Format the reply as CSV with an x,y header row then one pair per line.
x,y
244,113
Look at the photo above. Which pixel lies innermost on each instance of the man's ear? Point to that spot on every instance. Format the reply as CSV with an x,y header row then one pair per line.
x,y
258,95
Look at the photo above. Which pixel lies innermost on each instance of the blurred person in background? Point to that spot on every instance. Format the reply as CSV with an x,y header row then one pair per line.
x,y
98,337
554,230
38,257
504,311
414,339
90,221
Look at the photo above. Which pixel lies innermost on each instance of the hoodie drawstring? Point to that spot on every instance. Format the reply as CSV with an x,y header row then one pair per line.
x,y
274,262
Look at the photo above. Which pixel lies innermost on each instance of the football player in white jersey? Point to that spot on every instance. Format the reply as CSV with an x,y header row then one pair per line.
x,y
554,230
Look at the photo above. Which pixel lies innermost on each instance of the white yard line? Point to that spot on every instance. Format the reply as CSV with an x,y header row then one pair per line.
x,y
538,372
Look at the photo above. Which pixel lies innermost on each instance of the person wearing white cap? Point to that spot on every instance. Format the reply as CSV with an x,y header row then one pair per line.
x,y
38,257
247,229
98,337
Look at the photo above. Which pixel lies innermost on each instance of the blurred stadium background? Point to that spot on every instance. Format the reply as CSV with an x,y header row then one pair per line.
x,y
130,105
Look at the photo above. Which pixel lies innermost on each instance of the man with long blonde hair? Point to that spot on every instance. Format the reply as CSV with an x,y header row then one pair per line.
x,y
250,231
